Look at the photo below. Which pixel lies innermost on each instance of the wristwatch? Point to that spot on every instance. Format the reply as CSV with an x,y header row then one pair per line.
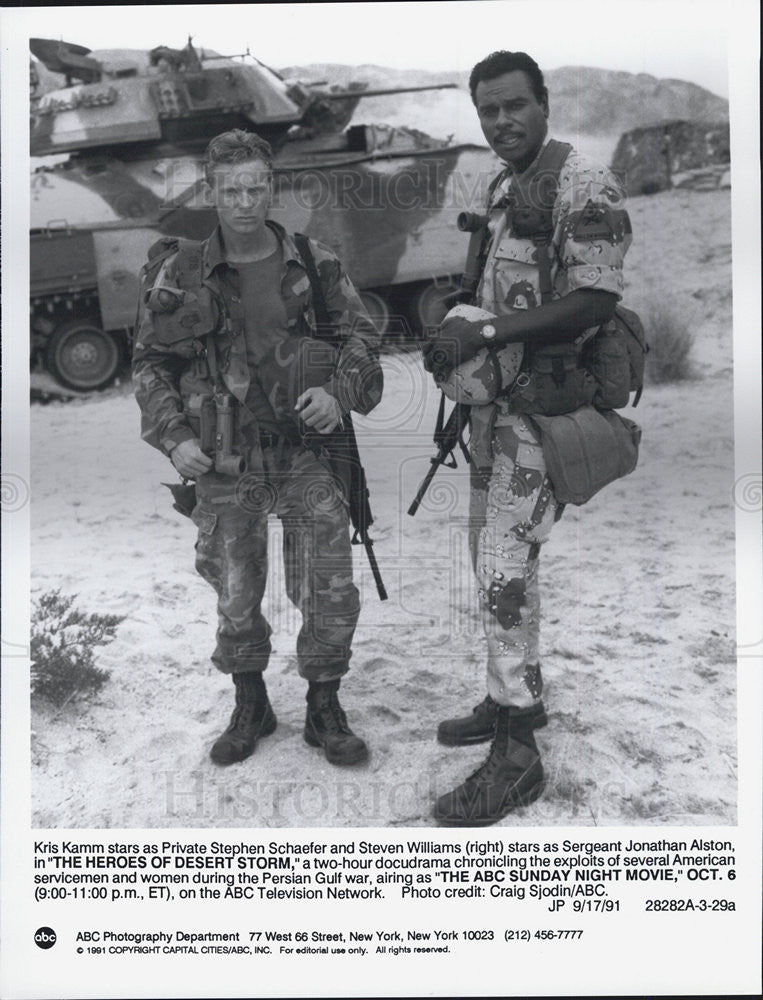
x,y
488,332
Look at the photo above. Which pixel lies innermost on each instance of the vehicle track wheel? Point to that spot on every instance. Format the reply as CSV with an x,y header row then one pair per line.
x,y
378,309
82,356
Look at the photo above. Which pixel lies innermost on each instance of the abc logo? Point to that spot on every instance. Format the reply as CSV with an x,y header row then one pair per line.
x,y
45,937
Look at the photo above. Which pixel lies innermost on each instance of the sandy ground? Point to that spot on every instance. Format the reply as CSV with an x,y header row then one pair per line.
x,y
638,627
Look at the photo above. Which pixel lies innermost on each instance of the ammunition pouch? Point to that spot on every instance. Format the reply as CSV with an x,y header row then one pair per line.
x,y
528,221
553,382
214,420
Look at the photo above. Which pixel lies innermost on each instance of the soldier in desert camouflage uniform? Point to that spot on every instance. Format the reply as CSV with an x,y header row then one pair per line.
x,y
513,507
255,297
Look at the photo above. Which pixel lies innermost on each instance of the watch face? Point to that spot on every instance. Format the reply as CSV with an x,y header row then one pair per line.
x,y
488,331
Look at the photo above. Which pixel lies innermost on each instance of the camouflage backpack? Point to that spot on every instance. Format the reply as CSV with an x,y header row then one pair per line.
x,y
187,312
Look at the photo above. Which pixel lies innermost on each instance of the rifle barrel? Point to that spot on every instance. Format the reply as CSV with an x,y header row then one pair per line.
x,y
344,94
425,482
369,547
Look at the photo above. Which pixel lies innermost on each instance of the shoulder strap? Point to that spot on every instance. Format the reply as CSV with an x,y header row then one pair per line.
x,y
532,204
493,185
476,251
543,184
189,263
163,247
535,199
189,275
322,318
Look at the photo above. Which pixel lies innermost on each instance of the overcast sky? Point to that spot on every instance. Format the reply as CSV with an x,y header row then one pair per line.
x,y
666,38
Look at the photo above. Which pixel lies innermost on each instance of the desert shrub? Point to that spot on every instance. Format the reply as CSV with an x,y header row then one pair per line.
x,y
63,643
670,340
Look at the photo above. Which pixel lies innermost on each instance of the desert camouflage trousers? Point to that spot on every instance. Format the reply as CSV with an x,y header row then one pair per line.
x,y
232,556
512,510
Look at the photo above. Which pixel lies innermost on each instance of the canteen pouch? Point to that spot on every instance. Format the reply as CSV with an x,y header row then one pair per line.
x,y
615,357
553,382
586,450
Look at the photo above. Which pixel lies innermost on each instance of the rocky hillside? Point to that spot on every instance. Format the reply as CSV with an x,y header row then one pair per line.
x,y
583,99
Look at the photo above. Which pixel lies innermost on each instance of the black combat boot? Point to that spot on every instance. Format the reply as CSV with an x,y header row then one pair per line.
x,y
479,727
252,718
512,776
326,726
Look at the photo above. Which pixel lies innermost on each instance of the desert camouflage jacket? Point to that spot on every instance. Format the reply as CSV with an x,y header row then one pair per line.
x,y
168,377
591,236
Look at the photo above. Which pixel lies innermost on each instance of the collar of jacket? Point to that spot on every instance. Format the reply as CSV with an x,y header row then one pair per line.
x,y
214,253
509,170
508,174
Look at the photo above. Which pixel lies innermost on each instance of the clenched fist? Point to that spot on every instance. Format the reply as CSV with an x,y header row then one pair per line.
x,y
319,410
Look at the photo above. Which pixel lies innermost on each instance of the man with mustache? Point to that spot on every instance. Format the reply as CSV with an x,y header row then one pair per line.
x,y
546,307
228,330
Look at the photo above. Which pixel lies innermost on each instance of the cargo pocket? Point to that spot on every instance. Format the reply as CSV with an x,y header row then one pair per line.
x,y
205,520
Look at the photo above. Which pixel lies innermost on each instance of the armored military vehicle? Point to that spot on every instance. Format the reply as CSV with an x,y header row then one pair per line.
x,y
128,131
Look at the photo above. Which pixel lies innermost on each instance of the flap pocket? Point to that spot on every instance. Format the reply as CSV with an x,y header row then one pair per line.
x,y
511,248
195,318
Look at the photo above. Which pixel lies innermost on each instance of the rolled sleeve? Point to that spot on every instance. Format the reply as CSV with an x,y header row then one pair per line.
x,y
593,228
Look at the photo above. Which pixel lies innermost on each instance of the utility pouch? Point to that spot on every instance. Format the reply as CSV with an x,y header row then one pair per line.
x,y
586,450
552,383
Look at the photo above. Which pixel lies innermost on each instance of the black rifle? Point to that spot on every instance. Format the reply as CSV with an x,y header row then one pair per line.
x,y
341,445
446,436
341,448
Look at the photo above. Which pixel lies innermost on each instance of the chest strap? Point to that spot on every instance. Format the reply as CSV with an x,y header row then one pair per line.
x,y
531,205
